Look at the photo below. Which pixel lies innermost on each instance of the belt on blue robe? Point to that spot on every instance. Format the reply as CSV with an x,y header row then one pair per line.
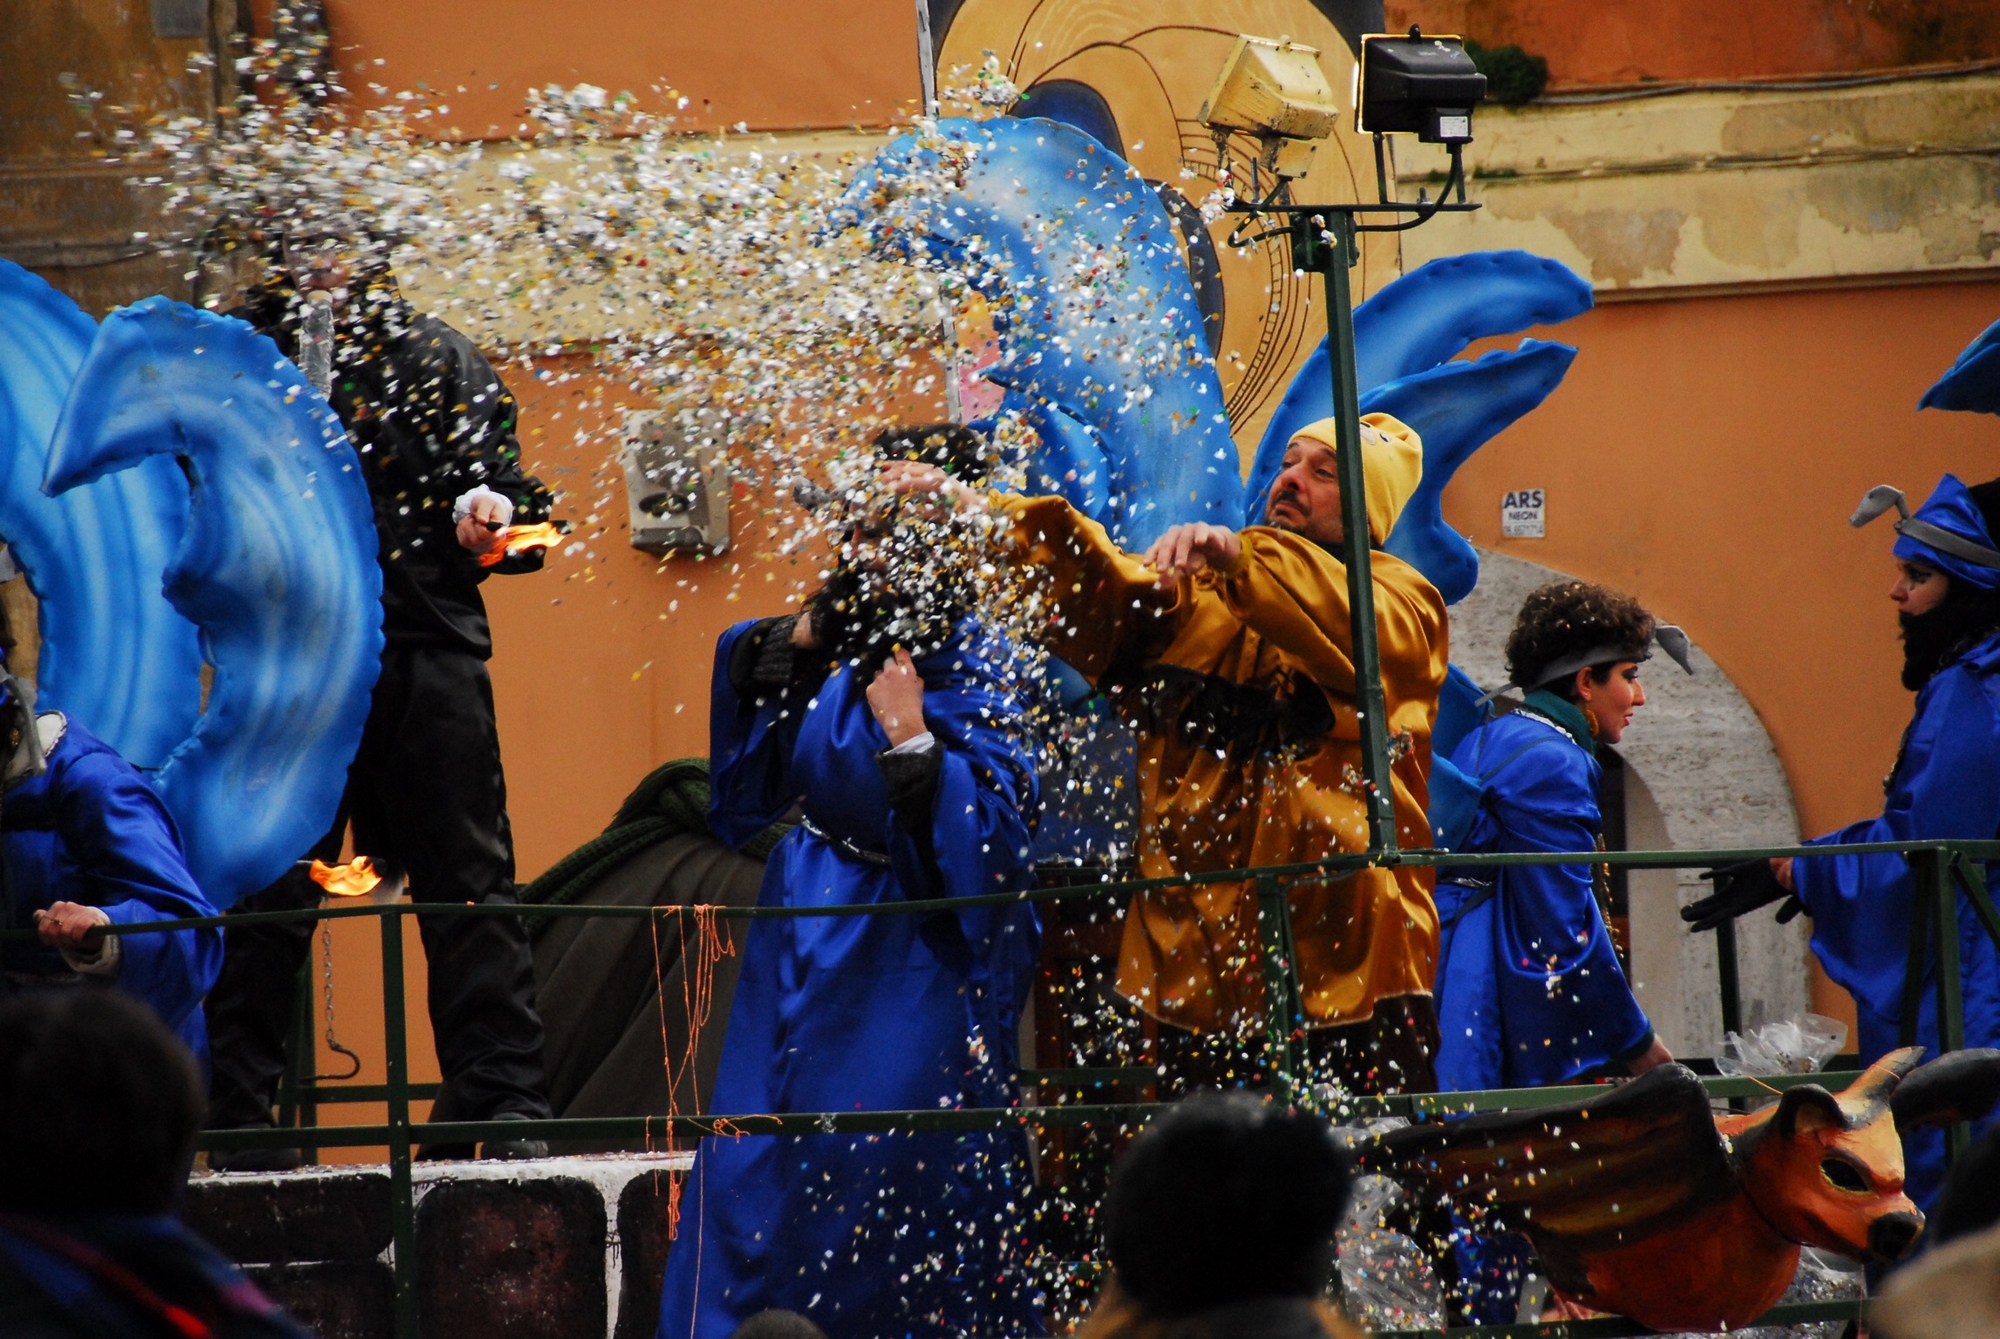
x,y
1484,891
879,859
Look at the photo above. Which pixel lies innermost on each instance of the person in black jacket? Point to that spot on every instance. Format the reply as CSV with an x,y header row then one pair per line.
x,y
434,429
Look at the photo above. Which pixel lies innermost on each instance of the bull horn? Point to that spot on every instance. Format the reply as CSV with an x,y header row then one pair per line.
x,y
1868,1096
1962,1085
1796,1100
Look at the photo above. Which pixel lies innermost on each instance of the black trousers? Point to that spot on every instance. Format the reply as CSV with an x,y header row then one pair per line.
x,y
425,795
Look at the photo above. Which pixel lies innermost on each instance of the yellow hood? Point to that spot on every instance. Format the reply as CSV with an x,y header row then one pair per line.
x,y
1393,455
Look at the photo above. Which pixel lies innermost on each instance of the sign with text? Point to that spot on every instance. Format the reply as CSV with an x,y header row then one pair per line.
x,y
1523,514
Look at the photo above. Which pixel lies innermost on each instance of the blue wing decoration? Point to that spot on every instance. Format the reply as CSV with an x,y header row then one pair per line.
x,y
277,567
1456,409
114,653
1973,383
1405,334
1436,310
1101,338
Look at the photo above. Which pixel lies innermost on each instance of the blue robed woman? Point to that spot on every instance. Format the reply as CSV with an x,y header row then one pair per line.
x,y
889,720
1529,988
86,843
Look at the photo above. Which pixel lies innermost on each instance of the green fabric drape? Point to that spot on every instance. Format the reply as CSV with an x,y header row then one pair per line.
x,y
671,801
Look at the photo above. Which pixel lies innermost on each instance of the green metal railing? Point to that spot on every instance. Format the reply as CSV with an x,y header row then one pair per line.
x,y
1943,870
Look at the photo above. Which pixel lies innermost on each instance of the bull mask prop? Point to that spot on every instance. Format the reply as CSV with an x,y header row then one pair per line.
x,y
1644,1203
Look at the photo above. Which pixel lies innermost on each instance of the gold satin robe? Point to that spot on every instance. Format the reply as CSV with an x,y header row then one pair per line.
x,y
1263,649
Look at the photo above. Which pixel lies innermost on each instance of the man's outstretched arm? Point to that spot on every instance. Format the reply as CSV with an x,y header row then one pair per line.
x,y
1106,602
1292,592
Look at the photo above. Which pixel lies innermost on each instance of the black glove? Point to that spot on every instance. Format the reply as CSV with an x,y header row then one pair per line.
x,y
1740,889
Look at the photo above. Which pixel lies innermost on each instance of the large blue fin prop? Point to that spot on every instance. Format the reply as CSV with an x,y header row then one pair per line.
x,y
1095,312
1438,309
1407,332
1456,409
278,568
1973,383
114,653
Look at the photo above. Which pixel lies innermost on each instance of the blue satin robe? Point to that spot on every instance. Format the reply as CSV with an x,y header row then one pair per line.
x,y
871,1236
91,830
1529,990
1946,784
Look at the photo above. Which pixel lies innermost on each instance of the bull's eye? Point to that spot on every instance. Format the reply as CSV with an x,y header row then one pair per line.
x,y
1843,1174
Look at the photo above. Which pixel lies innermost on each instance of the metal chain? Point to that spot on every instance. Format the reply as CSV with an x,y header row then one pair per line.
x,y
332,1044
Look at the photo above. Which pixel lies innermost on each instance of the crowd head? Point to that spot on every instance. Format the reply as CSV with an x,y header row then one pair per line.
x,y
99,1105
1226,1199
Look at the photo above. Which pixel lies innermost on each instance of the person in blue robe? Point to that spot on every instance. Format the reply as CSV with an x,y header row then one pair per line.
x,y
87,842
1529,988
1945,784
912,783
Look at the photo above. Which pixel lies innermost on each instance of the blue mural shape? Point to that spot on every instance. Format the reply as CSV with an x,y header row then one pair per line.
x,y
1973,383
277,567
1404,340
1103,349
115,654
1456,409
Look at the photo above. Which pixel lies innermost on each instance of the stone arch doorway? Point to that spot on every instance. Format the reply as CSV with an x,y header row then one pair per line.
x,y
1699,772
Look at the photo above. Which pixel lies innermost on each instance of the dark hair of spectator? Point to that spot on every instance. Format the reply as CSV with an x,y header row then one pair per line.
x,y
777,1324
1225,1199
1969,1201
1566,618
959,451
99,1105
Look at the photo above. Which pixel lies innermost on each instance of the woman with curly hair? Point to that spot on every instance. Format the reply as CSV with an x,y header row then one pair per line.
x,y
1529,989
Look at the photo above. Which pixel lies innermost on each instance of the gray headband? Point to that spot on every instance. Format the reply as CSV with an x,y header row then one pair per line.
x,y
1884,496
1668,637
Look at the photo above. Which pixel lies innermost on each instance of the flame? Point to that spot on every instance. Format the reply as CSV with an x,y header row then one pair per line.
x,y
521,538
357,878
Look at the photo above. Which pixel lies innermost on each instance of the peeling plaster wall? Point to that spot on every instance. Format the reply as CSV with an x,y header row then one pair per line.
x,y
1700,773
1898,178
1595,42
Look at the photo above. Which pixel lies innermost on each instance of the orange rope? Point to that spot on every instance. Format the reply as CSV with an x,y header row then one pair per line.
x,y
711,945
674,1179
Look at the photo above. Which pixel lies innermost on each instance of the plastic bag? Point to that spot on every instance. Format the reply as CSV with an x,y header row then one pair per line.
x,y
1386,1283
1799,1045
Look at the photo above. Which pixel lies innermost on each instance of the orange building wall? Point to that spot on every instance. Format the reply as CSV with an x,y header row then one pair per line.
x,y
775,64
1705,453
1589,42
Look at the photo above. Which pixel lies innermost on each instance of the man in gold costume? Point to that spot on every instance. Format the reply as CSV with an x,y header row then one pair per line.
x,y
1229,651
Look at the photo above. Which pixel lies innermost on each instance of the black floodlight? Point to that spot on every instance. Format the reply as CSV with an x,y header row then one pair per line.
x,y
1417,85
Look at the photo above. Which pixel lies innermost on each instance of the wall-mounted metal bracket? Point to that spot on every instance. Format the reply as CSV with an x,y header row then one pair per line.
x,y
676,483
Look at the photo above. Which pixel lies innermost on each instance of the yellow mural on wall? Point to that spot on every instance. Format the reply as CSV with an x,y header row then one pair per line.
x,y
1137,71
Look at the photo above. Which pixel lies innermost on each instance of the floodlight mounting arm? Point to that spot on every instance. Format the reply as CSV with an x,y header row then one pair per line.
x,y
1325,239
